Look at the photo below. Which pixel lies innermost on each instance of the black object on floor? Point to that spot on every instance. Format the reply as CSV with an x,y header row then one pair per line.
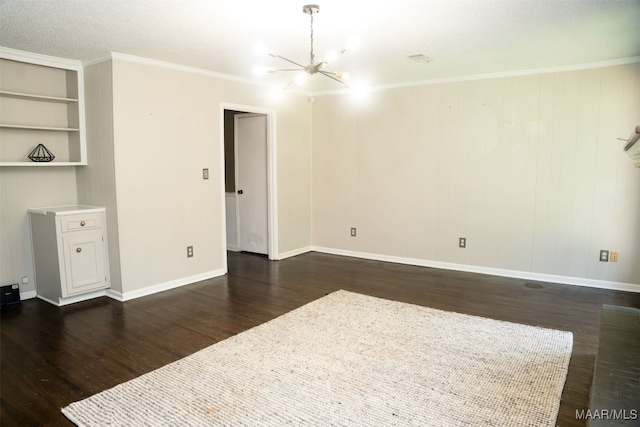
x,y
9,295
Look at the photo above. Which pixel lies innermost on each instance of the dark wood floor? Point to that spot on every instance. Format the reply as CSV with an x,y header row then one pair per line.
x,y
616,378
53,356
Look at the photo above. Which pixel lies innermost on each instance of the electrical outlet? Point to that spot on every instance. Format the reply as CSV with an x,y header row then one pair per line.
x,y
462,242
614,256
25,280
205,173
353,232
604,255
189,251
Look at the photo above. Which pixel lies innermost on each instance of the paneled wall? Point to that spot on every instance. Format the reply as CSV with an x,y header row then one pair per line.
x,y
527,168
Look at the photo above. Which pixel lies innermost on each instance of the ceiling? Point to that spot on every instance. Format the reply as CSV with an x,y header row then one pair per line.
x,y
464,37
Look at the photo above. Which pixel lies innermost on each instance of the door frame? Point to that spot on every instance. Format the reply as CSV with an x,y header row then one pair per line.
x,y
272,199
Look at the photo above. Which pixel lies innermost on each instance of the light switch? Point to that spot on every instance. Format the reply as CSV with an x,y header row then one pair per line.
x,y
205,173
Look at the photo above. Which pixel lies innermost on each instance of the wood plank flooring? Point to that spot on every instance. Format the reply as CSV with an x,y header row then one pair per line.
x,y
53,356
616,378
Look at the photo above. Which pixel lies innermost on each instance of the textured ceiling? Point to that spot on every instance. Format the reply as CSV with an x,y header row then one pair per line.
x,y
464,37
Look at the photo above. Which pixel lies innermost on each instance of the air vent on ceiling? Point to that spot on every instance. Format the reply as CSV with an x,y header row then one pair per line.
x,y
420,57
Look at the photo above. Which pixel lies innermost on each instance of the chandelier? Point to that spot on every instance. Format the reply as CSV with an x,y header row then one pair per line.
x,y
313,67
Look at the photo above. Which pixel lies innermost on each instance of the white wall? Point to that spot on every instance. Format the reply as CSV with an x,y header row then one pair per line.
x,y
96,181
22,188
527,168
164,134
167,128
151,129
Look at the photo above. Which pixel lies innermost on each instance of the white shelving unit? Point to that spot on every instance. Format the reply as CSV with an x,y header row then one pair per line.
x,y
41,102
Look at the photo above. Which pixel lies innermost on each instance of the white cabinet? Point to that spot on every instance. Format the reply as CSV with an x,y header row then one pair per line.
x,y
69,252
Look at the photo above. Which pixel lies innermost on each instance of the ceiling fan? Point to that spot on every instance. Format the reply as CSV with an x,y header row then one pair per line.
x,y
314,66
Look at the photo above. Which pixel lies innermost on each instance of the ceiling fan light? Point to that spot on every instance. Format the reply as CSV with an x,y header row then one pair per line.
x,y
331,56
301,78
314,66
260,71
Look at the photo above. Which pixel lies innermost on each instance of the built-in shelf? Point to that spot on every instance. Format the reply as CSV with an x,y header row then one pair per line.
x,y
19,95
38,164
57,129
41,102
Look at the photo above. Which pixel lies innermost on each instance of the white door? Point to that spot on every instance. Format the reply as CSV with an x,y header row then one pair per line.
x,y
251,182
84,265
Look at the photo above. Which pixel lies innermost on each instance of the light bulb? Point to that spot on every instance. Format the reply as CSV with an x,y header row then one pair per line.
x,y
301,78
260,71
331,56
343,75
359,90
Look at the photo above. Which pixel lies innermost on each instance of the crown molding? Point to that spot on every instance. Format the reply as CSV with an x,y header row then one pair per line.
x,y
47,60
167,65
97,60
485,76
37,58
178,67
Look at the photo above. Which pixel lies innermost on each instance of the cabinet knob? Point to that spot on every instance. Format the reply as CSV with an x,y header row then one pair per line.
x,y
79,250
82,223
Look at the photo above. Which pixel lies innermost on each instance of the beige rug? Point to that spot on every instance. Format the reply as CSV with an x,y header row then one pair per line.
x,y
352,360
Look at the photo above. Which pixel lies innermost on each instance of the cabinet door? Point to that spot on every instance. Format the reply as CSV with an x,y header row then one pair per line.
x,y
84,267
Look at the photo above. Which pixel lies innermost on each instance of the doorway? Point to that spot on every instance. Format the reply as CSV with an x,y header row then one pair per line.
x,y
249,158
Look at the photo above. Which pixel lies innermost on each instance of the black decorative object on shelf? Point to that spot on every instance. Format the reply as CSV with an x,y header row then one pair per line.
x,y
41,154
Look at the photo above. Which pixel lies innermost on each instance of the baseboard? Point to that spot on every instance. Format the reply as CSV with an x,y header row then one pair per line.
x,y
150,290
289,254
27,295
568,280
75,298
115,295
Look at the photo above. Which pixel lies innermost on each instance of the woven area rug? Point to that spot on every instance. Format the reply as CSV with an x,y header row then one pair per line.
x,y
352,360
